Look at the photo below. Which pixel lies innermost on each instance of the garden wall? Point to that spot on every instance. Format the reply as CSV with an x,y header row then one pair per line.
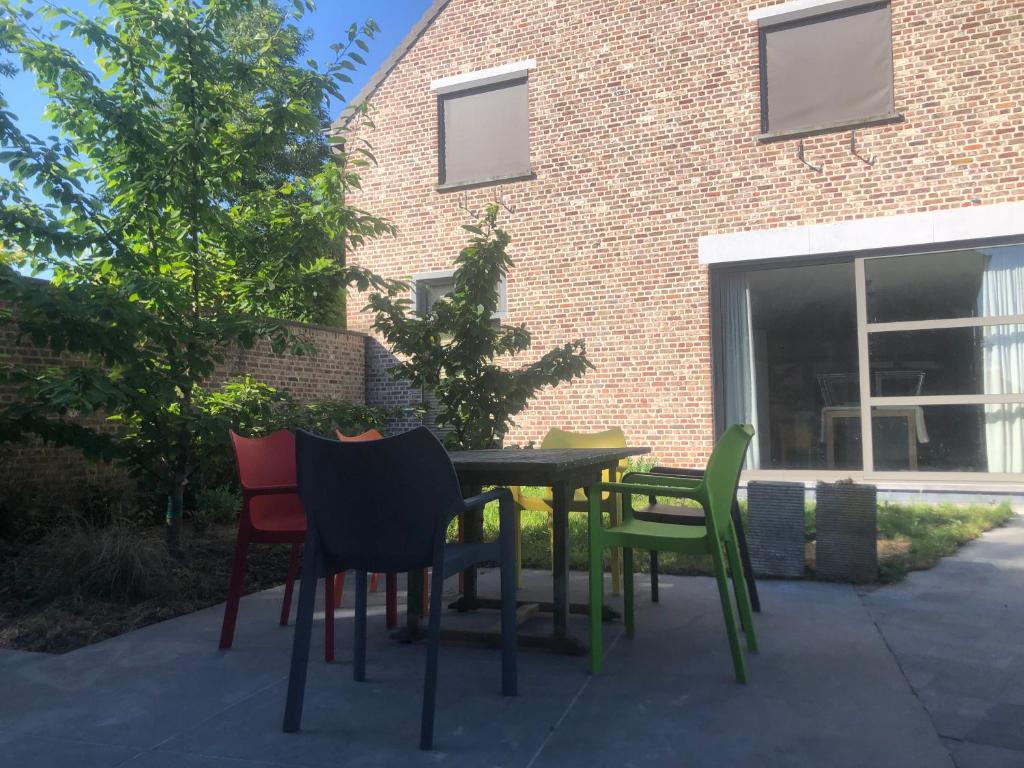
x,y
336,371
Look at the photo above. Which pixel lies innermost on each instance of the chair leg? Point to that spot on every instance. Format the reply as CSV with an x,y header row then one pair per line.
x,y
303,631
374,582
426,592
738,662
433,646
742,597
596,603
339,588
507,541
748,570
329,602
654,575
627,586
519,548
616,553
391,600
227,630
289,584
359,642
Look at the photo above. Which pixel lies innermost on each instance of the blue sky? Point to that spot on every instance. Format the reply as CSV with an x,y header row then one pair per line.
x,y
328,22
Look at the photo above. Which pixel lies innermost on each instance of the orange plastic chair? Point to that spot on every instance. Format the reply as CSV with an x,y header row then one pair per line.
x,y
271,514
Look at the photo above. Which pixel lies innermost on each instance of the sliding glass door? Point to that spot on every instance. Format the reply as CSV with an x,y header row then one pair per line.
x,y
876,365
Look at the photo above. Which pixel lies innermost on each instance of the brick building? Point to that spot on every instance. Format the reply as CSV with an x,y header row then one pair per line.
x,y
795,214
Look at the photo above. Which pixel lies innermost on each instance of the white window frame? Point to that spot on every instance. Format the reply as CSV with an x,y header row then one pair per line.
x,y
445,275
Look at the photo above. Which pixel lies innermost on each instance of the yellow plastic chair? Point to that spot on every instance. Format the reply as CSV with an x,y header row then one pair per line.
x,y
559,438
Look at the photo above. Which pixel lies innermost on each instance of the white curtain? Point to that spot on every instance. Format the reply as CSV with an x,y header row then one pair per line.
x,y
1002,293
738,359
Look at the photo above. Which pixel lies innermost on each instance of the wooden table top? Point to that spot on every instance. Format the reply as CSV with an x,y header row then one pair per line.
x,y
539,465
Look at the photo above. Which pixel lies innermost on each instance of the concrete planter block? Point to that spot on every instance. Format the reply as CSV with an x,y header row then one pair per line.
x,y
847,532
775,529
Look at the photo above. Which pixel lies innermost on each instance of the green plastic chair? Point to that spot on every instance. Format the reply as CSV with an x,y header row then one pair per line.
x,y
714,492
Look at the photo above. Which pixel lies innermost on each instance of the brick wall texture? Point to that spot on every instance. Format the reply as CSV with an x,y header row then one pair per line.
x,y
643,118
336,370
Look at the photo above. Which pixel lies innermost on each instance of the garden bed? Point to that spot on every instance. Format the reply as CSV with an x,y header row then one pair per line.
x,y
80,586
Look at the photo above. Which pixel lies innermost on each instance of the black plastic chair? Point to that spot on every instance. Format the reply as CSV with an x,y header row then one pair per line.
x,y
665,513
384,506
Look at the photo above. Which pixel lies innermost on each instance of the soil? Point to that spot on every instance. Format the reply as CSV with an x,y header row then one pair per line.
x,y
200,579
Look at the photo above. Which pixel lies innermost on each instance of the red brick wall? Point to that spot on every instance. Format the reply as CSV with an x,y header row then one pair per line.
x,y
337,371
643,117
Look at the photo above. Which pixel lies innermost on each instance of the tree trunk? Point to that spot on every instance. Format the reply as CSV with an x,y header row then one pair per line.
x,y
175,502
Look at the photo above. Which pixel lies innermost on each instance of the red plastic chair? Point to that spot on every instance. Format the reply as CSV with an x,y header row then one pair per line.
x,y
271,514
390,580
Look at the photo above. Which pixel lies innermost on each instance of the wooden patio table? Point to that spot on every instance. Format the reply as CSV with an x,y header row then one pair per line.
x,y
561,470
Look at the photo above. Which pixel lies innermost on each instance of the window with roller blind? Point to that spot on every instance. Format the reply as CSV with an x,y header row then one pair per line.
x,y
484,134
827,71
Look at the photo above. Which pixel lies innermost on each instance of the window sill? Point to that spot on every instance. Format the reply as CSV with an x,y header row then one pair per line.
x,y
771,136
459,185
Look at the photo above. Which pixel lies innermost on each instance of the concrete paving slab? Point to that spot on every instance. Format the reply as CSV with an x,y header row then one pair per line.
x,y
25,751
824,690
955,631
967,754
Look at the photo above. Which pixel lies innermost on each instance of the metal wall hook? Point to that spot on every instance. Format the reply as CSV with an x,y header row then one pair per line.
x,y
853,149
802,159
464,206
499,200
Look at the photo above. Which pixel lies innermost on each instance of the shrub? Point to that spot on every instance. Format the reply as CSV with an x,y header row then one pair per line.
x,y
29,509
216,506
116,563
252,408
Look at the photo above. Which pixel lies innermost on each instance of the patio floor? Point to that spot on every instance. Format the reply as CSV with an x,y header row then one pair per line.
x,y
831,686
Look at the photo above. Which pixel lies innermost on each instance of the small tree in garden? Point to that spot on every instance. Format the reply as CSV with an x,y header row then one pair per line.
x,y
456,351
190,201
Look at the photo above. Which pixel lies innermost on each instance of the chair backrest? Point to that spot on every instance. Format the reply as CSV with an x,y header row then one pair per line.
x,y
265,462
609,438
377,505
839,388
899,383
370,434
722,475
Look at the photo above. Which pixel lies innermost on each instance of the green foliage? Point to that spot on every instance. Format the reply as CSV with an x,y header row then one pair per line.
x,y
456,351
30,508
251,409
191,200
218,505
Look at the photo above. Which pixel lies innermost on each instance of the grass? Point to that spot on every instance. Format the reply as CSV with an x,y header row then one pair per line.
x,y
911,537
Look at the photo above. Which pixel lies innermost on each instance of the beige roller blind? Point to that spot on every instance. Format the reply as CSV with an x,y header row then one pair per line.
x,y
485,134
827,71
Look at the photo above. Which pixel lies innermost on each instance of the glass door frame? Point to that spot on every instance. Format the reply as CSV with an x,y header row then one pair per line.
x,y
868,400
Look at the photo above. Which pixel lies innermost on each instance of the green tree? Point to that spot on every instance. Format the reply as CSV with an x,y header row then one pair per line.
x,y
188,205
455,350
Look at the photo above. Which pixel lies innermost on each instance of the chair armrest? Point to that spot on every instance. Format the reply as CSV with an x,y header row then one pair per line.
x,y
677,472
495,494
478,501
664,481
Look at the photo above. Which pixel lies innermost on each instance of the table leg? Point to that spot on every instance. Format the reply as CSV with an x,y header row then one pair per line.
x,y
413,629
471,531
912,441
561,499
830,447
